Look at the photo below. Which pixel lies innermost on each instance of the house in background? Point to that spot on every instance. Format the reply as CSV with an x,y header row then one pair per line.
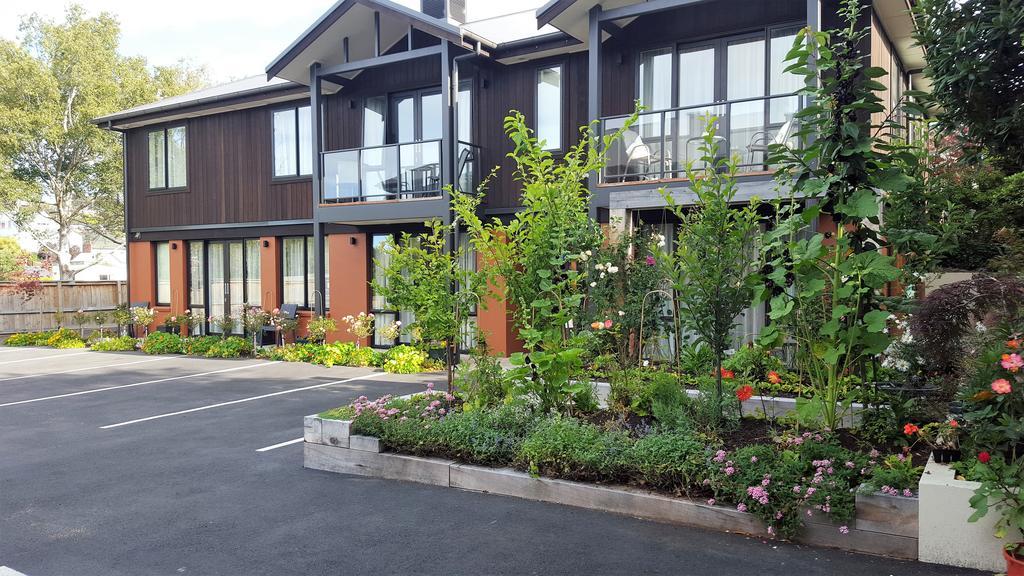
x,y
282,188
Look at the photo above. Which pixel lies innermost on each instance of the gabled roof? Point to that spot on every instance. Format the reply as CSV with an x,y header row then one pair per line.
x,y
354,19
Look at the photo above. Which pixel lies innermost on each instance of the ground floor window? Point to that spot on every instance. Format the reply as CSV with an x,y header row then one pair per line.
x,y
224,277
162,266
298,271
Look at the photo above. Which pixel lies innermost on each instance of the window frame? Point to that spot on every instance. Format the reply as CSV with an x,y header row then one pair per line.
x,y
167,188
156,273
308,267
298,175
560,65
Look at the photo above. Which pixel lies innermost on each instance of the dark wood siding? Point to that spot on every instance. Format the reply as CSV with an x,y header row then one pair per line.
x,y
229,176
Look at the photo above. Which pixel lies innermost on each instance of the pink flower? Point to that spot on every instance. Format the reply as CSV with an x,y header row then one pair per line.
x,y
908,493
711,501
608,323
719,456
650,260
753,459
771,530
729,471
1001,386
741,507
1012,362
844,530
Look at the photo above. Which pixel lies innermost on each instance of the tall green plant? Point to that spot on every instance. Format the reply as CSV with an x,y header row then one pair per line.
x,y
713,266
533,260
826,288
423,275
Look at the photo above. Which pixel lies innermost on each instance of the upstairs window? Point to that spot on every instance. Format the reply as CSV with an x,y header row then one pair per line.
x,y
549,107
293,142
167,158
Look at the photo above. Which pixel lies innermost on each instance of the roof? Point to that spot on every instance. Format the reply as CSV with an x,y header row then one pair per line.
x,y
513,27
251,86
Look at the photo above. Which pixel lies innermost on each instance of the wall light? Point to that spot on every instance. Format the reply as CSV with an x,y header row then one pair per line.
x,y
174,245
266,243
353,240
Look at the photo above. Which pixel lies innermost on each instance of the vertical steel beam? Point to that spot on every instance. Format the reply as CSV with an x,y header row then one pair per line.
x,y
344,48
315,115
376,34
408,39
594,87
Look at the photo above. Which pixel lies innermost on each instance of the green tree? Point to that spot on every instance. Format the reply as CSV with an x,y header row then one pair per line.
x,y
12,259
714,264
536,257
58,171
975,59
424,276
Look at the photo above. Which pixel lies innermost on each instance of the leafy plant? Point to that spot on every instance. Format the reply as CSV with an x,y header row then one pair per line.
x,y
122,316
713,265
65,338
675,461
115,344
360,326
404,359
1001,490
230,347
481,383
28,339
161,343
142,316
826,289
81,319
896,475
319,327
564,447
198,345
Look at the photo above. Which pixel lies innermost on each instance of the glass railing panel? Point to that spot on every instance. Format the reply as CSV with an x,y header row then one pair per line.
x,y
379,172
420,165
341,176
467,167
689,133
746,123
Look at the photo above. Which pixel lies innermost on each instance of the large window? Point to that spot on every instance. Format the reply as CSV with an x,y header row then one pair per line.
x,y
163,274
167,158
549,107
197,283
293,142
298,272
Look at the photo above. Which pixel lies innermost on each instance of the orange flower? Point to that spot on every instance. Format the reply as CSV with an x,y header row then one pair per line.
x,y
910,429
744,393
774,377
596,325
1013,344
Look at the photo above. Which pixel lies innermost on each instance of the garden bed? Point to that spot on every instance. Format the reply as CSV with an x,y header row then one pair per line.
x,y
881,525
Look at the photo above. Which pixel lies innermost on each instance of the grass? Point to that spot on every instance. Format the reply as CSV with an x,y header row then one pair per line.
x,y
339,413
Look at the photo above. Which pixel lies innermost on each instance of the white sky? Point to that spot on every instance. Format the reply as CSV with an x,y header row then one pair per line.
x,y
233,38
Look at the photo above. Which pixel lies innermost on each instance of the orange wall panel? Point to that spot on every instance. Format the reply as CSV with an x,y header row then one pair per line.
x,y
349,266
270,272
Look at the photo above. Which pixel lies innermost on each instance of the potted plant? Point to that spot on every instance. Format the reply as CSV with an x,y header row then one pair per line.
x,y
254,318
171,325
225,323
81,318
143,317
944,438
1002,489
360,326
122,316
318,328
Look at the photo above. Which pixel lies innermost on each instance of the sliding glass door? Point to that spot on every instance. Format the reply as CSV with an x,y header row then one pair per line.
x,y
233,280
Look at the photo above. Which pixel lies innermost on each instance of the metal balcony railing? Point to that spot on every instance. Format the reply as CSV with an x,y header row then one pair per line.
x,y
663,142
394,171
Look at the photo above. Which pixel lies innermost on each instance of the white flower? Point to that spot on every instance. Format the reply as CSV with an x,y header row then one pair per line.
x,y
621,313
660,240
602,274
981,327
569,324
593,284
589,253
608,265
398,323
647,363
583,256
599,266
613,269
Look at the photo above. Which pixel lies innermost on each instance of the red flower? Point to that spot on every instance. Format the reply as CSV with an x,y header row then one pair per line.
x,y
910,429
726,374
954,424
984,457
608,323
744,393
774,377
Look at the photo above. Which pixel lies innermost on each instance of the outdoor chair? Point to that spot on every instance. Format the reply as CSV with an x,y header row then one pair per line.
x,y
761,141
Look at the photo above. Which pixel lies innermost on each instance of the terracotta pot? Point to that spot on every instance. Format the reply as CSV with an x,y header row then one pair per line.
x,y
1014,563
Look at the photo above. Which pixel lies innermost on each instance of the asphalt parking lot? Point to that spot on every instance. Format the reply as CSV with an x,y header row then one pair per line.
x,y
126,464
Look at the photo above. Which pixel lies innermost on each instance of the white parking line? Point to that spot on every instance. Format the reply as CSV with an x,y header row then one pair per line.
x,y
86,368
44,357
280,445
218,405
138,384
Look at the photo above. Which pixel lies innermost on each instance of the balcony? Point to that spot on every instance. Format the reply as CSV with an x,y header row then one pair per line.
x,y
661,144
405,171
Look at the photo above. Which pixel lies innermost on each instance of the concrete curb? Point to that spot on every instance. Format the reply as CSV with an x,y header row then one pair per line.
x,y
884,531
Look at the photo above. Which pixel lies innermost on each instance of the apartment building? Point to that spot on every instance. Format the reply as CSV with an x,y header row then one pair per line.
x,y
282,188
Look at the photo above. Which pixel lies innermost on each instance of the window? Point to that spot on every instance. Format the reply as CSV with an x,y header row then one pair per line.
x,y
373,120
167,158
251,263
384,313
549,107
163,273
299,272
293,142
197,283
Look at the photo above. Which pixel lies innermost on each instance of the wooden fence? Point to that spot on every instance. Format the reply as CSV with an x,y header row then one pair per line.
x,y
39,312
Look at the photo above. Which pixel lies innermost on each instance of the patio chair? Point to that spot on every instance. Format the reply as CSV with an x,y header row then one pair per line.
x,y
289,311
633,157
762,141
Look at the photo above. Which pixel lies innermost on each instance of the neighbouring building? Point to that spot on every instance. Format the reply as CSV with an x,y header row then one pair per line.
x,y
281,188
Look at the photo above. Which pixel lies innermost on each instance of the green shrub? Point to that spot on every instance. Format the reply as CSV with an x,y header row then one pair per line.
x,y
335,353
28,339
65,338
489,437
404,359
162,343
230,347
895,475
198,345
567,448
753,363
290,353
481,383
115,344
671,461
640,391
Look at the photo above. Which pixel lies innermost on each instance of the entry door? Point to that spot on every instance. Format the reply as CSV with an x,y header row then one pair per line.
x,y
415,125
226,286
